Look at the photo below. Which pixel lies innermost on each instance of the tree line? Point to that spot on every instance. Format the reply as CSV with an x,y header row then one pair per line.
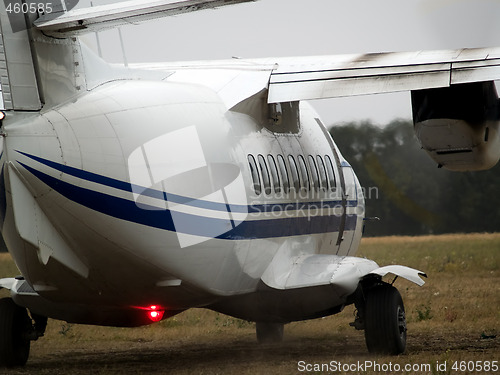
x,y
407,191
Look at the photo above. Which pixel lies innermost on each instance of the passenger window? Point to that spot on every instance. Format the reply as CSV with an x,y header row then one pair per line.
x,y
322,173
314,174
303,172
265,175
274,174
255,175
331,174
294,172
284,173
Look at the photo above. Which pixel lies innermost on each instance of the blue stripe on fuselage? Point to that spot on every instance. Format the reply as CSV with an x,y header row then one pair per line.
x,y
192,224
174,198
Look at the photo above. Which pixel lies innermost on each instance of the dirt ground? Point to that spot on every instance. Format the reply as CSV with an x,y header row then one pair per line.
x,y
453,327
235,351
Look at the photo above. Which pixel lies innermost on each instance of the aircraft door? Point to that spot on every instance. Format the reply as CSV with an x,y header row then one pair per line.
x,y
347,196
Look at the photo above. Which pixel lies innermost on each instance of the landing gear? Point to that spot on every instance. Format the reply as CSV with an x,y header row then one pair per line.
x,y
385,321
269,332
381,314
16,332
14,328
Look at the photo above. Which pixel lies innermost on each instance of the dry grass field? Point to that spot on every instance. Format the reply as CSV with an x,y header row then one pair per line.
x,y
454,319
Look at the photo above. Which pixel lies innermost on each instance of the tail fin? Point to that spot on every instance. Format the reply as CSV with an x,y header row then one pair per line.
x,y
39,71
18,77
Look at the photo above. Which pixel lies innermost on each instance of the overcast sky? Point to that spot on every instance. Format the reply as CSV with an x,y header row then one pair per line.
x,y
314,27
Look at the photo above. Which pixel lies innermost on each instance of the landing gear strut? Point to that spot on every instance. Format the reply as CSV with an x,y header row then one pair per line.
x,y
16,332
381,314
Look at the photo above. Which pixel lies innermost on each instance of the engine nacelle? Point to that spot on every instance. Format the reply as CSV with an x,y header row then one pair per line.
x,y
458,126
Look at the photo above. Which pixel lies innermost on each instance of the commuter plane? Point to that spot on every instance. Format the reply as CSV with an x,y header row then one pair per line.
x,y
128,195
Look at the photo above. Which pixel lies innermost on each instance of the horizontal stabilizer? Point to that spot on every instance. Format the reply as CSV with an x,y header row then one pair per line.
x,y
79,21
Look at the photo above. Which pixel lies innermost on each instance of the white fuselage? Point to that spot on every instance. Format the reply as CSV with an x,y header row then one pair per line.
x,y
156,193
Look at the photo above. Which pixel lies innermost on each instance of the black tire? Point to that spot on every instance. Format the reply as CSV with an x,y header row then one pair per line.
x,y
269,332
15,325
385,321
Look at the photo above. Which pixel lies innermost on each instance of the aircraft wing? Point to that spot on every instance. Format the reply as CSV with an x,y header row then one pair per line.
x,y
317,77
79,21
301,78
337,76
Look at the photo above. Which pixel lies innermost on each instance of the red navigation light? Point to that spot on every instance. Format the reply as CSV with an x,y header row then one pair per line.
x,y
155,314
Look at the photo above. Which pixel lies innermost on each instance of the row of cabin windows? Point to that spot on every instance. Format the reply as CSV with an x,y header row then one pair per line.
x,y
295,172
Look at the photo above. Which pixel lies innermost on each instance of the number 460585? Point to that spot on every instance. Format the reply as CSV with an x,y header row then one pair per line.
x,y
29,8
473,366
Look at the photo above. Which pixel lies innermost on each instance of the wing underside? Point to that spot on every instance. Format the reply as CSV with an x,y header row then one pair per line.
x,y
79,21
